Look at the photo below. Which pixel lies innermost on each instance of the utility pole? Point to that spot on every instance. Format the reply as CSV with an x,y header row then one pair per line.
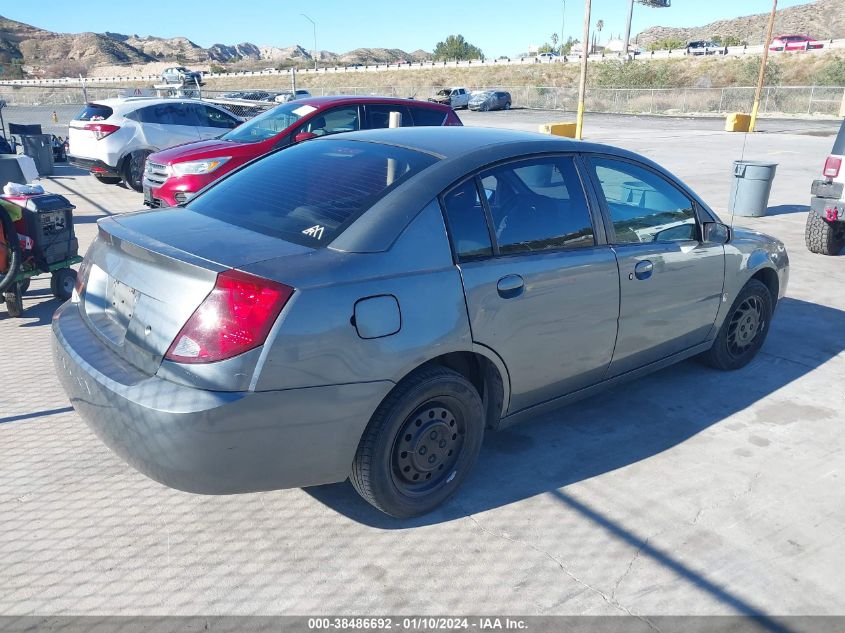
x,y
314,25
628,29
765,59
582,84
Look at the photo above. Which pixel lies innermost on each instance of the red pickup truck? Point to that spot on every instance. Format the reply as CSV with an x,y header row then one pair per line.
x,y
174,175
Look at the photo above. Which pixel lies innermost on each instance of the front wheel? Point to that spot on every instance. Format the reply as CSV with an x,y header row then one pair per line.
x,y
823,237
420,443
744,330
508,105
133,169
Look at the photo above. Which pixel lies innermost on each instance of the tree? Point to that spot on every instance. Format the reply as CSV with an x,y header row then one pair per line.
x,y
566,47
554,39
455,47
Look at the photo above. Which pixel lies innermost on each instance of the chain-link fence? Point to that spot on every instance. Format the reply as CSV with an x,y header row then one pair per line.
x,y
54,106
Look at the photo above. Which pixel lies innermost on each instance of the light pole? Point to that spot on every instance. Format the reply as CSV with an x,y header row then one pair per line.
x,y
562,26
628,29
762,78
314,25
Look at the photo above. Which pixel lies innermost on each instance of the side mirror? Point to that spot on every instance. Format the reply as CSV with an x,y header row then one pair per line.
x,y
303,136
716,233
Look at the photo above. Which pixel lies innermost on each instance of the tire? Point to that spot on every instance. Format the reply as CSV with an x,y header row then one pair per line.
x,y
12,248
823,237
24,285
108,180
62,283
14,302
419,414
744,330
508,105
133,169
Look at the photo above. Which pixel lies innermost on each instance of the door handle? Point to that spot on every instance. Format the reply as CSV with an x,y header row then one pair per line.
x,y
510,286
643,269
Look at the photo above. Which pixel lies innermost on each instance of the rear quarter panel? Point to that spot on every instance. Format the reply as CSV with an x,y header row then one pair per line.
x,y
318,343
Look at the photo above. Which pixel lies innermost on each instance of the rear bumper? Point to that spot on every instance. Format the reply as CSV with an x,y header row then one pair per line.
x,y
211,442
831,209
92,165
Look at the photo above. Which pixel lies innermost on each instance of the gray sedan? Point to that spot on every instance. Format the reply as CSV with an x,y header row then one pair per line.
x,y
364,306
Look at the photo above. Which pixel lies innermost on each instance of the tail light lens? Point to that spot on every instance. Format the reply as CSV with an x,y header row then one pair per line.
x,y
82,276
234,318
832,166
101,130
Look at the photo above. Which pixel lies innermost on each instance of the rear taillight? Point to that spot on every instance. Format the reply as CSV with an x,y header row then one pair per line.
x,y
832,166
234,318
101,130
82,276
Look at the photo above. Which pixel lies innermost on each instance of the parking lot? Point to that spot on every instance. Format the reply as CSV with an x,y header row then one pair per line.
x,y
691,491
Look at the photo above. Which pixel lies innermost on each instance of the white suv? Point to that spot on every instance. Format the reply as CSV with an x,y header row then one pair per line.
x,y
113,137
825,232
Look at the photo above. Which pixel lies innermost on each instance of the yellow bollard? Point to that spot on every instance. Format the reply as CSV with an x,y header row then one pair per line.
x,y
559,129
737,122
55,117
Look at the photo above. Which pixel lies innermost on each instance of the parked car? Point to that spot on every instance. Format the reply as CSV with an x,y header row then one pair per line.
x,y
454,97
286,96
794,43
547,57
252,95
825,231
490,100
174,175
181,75
706,47
113,137
365,305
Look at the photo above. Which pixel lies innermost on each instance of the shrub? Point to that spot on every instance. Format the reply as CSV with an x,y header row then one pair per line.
x,y
832,73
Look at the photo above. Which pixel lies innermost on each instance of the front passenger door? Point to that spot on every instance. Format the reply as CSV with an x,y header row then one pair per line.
x,y
671,282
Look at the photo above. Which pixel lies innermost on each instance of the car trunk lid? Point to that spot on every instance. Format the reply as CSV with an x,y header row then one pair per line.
x,y
146,274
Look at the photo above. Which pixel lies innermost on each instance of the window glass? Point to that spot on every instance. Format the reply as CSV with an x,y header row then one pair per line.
x,y
94,112
538,205
269,123
467,223
644,207
217,118
289,195
344,119
378,116
166,114
428,116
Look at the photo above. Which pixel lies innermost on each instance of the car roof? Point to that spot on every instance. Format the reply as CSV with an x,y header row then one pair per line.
x,y
131,103
321,102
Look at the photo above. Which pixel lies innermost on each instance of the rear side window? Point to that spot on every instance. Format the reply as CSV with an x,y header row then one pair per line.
x,y
165,114
428,116
378,116
309,193
538,205
94,112
467,223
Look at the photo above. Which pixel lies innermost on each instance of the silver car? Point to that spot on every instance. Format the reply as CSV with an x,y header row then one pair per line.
x,y
365,305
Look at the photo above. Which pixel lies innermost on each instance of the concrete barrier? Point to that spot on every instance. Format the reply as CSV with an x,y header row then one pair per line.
x,y
558,129
737,122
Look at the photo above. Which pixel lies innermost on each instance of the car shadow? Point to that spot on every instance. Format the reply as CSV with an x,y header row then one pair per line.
x,y
627,424
784,209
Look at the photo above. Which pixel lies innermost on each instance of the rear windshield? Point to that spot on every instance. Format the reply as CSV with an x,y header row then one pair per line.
x,y
839,143
94,112
268,124
310,193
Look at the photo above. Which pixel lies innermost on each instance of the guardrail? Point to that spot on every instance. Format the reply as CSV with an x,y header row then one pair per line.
x,y
733,51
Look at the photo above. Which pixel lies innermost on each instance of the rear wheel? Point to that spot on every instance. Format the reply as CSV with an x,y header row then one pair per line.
x,y
133,169
107,180
62,283
744,330
823,237
508,105
420,443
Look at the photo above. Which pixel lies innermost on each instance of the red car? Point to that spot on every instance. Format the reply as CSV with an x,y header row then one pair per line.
x,y
174,175
794,43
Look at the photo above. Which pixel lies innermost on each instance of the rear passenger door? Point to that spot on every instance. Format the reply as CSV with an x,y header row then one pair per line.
x,y
671,282
378,115
541,284
168,124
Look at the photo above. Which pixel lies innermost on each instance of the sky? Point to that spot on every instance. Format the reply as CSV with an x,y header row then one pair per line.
x,y
498,27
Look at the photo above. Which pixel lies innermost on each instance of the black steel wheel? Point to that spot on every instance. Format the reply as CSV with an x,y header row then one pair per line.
x,y
62,283
744,330
420,443
133,169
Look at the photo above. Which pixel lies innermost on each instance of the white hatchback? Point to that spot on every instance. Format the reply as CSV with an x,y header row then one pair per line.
x,y
113,137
